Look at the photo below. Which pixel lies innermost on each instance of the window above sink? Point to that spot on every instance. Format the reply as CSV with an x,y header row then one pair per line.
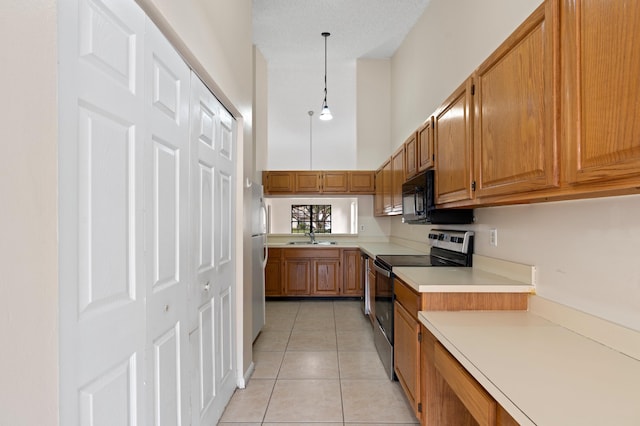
x,y
344,215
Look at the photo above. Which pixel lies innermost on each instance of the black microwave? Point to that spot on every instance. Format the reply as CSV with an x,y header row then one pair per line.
x,y
419,207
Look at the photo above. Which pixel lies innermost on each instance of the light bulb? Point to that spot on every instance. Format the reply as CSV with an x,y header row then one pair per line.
x,y
325,114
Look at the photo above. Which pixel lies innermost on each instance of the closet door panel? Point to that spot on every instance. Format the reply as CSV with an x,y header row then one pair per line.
x,y
167,82
101,295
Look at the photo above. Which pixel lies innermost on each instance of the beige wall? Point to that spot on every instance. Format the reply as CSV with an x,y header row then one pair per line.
x,y
585,251
447,43
260,115
28,216
373,118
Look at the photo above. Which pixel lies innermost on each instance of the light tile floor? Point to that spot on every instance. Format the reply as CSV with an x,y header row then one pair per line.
x,y
315,362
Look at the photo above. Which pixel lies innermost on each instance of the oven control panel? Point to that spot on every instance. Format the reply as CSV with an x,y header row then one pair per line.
x,y
457,241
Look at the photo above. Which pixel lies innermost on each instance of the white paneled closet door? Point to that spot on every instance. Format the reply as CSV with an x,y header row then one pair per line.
x,y
212,225
166,190
101,135
146,208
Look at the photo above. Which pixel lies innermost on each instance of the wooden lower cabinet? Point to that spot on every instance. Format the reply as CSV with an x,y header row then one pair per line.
x,y
351,274
450,395
406,342
406,335
297,277
326,277
313,272
272,274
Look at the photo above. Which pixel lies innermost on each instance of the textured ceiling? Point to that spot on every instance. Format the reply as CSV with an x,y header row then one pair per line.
x,y
288,32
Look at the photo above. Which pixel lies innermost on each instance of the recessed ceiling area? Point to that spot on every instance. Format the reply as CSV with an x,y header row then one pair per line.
x,y
288,34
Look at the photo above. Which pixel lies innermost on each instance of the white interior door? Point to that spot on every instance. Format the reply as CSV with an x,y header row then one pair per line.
x,y
167,219
102,293
212,291
128,266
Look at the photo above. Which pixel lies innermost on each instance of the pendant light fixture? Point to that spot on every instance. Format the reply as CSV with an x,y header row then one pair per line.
x,y
325,114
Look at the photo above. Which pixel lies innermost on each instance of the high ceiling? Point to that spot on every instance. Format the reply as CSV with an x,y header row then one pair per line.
x,y
288,34
288,31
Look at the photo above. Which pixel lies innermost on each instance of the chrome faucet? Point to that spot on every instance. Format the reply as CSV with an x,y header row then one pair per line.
x,y
312,236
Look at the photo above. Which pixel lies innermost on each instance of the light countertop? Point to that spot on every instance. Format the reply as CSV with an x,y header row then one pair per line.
x,y
459,280
541,372
372,249
488,275
375,249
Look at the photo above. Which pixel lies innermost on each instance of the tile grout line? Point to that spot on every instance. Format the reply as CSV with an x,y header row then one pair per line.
x,y
275,381
335,328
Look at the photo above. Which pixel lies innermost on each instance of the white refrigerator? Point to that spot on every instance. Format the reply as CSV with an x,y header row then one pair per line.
x,y
259,255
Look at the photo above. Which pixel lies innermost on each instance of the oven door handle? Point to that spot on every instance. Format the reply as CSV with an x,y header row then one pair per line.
x,y
381,270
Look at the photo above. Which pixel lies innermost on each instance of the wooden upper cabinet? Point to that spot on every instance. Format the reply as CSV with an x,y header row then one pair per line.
x,y
387,201
411,155
397,179
515,129
453,139
601,108
335,181
361,182
308,182
378,199
278,182
318,181
425,156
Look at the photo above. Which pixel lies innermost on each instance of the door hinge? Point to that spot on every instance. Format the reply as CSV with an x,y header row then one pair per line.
x,y
473,186
473,89
419,407
420,336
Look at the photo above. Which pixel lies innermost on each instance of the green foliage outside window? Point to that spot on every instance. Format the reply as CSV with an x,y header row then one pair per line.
x,y
316,217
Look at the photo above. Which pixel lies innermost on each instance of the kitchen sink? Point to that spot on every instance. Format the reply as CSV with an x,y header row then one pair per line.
x,y
308,243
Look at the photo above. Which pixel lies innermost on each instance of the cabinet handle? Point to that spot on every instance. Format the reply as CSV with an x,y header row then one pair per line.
x,y
207,286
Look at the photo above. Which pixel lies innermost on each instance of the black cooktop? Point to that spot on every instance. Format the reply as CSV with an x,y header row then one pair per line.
x,y
391,260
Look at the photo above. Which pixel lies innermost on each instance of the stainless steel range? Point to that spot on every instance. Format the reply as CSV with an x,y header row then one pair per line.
x,y
448,248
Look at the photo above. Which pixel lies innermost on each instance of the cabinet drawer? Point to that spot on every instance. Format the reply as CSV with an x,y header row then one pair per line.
x,y
409,299
299,253
476,400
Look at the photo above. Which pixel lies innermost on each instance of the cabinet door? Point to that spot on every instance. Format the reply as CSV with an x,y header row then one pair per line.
x,y
386,187
297,277
411,155
515,143
470,398
378,199
278,182
372,293
406,353
425,154
362,182
273,277
602,104
326,277
351,278
307,182
336,182
397,179
453,125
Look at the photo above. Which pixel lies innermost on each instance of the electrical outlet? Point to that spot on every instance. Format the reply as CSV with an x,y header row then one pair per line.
x,y
493,237
362,227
